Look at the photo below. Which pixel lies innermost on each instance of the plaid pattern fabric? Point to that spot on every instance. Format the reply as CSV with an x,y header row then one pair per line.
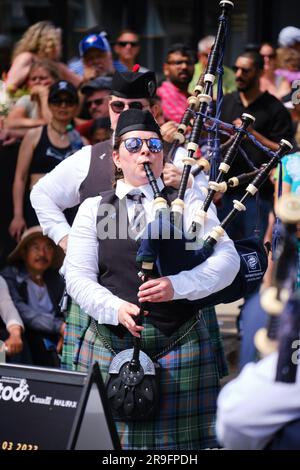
x,y
189,387
210,319
77,323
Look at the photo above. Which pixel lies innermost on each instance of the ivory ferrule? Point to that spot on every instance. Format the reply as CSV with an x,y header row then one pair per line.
x,y
238,205
251,189
192,146
263,343
218,187
204,163
233,182
217,233
203,98
209,77
182,127
192,100
224,167
178,206
180,137
160,203
273,303
198,88
189,161
199,217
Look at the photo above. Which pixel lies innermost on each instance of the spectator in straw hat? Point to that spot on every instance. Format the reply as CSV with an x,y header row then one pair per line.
x,y
36,289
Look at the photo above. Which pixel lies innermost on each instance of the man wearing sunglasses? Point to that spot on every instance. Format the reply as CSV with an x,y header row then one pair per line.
x,y
89,170
127,48
272,123
96,93
87,173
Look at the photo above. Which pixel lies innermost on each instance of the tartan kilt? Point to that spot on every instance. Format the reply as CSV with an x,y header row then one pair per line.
x,y
189,386
210,319
77,323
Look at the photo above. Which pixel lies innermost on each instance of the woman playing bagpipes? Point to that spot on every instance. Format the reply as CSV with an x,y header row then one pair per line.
x,y
102,277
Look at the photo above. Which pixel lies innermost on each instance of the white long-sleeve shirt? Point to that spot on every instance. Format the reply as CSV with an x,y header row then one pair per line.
x,y
81,264
8,311
253,407
59,190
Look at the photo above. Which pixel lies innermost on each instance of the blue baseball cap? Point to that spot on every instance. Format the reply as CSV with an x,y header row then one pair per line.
x,y
96,41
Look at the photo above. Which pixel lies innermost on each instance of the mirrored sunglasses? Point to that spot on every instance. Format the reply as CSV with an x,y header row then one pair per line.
x,y
134,144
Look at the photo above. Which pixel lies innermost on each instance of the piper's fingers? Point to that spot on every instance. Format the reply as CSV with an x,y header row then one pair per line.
x,y
133,312
136,331
149,284
155,297
150,290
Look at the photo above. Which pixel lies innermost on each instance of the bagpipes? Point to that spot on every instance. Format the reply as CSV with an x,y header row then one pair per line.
x,y
132,384
133,377
165,245
133,381
204,98
281,301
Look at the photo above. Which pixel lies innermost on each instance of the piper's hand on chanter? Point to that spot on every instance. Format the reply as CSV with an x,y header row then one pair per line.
x,y
156,290
126,315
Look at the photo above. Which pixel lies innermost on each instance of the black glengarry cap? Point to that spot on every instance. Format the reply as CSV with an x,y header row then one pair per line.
x,y
134,84
136,120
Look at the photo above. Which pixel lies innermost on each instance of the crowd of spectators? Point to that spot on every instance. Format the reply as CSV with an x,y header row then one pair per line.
x,y
55,108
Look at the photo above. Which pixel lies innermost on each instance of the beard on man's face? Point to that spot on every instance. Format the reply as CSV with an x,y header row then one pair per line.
x,y
244,85
182,78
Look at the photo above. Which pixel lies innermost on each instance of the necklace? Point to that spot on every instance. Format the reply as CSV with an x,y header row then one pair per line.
x,y
59,132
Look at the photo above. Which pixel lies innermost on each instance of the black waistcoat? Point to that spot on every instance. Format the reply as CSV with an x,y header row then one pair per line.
x,y
101,173
118,273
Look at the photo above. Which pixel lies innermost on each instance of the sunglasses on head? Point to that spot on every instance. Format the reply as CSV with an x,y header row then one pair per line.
x,y
129,43
134,144
97,102
235,68
119,106
60,101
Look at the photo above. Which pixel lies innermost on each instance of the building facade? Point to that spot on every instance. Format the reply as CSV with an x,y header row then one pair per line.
x,y
159,22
